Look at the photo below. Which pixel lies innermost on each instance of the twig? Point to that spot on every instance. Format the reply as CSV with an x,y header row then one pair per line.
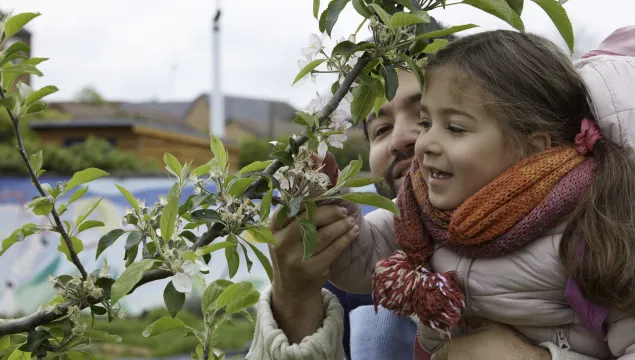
x,y
38,186
206,350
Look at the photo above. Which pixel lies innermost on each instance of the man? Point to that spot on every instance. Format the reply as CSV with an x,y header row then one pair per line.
x,y
298,320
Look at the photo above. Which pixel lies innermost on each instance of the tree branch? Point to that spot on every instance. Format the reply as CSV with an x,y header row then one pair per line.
x,y
38,186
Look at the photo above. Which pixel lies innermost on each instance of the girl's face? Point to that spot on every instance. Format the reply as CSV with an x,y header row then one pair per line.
x,y
461,147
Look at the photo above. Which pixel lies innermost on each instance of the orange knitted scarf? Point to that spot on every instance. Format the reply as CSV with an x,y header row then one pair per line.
x,y
511,211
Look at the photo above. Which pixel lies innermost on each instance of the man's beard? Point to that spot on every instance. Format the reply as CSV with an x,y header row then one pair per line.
x,y
387,186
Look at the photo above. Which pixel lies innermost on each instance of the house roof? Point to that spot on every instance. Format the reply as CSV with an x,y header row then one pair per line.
x,y
237,107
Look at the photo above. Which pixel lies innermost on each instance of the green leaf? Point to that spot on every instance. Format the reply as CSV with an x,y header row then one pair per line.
x,y
128,279
391,80
206,215
351,170
98,310
190,255
39,94
237,297
218,149
172,164
363,101
173,299
102,336
262,235
372,199
134,238
516,5
17,47
42,207
5,342
444,32
81,218
170,213
406,4
128,195
283,156
307,69
353,183
560,19
8,102
247,259
163,325
316,8
263,260
84,176
89,224
107,240
36,161
380,100
309,237
78,246
498,8
255,166
309,120
362,9
435,46
20,355
17,22
406,19
330,15
414,68
77,195
311,209
231,254
34,340
24,90
210,248
203,169
383,15
294,205
265,204
238,187
211,293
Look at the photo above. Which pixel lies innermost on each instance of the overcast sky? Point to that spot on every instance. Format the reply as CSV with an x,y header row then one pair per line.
x,y
142,50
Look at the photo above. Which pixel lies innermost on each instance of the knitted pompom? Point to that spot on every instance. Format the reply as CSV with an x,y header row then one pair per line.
x,y
434,297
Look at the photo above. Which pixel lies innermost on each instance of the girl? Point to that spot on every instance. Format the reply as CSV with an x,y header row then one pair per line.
x,y
516,209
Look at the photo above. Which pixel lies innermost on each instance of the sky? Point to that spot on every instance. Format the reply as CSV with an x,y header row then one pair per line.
x,y
142,50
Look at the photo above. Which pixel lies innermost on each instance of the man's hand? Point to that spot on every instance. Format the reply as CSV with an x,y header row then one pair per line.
x,y
297,284
493,341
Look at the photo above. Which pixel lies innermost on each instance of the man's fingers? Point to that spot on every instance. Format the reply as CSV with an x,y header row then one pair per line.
x,y
332,252
329,233
324,215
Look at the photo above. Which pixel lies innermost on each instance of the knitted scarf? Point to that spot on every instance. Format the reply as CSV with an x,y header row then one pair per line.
x,y
505,215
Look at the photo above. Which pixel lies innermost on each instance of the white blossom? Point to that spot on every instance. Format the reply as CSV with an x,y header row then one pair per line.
x,y
315,46
182,280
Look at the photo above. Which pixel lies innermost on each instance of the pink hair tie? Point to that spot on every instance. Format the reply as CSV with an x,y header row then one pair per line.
x,y
587,137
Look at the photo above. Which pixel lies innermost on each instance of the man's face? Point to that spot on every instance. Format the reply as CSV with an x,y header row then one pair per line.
x,y
392,135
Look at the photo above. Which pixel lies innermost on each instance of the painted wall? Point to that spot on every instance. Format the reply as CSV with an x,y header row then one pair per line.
x,y
25,266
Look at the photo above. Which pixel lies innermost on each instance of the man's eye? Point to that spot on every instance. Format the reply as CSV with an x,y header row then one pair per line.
x,y
381,130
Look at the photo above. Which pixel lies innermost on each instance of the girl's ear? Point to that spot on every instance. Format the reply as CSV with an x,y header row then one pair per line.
x,y
541,140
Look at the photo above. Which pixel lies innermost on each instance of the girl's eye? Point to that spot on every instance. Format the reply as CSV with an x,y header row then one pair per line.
x,y
455,129
424,123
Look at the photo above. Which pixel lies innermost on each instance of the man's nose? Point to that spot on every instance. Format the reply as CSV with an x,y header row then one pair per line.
x,y
404,134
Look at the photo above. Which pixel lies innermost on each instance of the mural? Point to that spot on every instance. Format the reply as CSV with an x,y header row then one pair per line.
x,y
25,267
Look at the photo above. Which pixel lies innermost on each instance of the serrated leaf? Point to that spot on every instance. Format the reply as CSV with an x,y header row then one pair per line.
x,y
391,81
206,215
19,355
211,293
128,279
308,119
307,69
380,100
406,19
309,237
238,187
78,246
351,170
262,235
353,183
36,161
445,32
372,199
129,197
190,255
173,299
237,297
383,15
283,156
172,164
17,47
81,218
331,14
34,340
560,19
5,342
263,260
516,5
415,69
316,8
14,24
107,240
170,213
255,166
247,259
210,248
77,195
294,205
98,310
265,203
363,101
134,238
362,9
498,8
231,254
218,149
84,176
39,94
89,224
435,46
203,169
163,325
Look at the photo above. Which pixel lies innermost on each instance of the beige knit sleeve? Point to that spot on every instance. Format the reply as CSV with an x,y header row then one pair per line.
x,y
271,343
